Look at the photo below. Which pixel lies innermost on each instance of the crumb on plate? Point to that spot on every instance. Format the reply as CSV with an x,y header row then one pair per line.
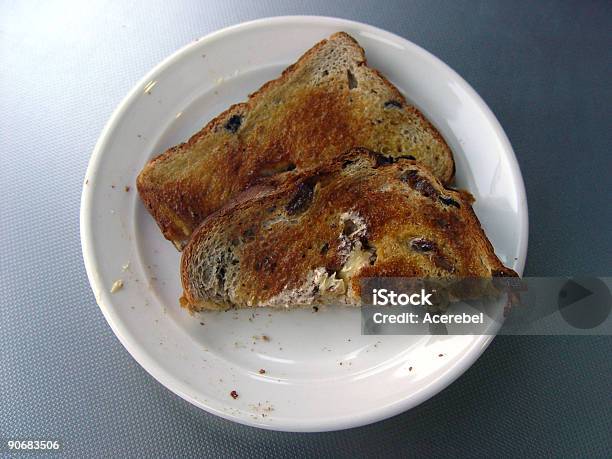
x,y
117,285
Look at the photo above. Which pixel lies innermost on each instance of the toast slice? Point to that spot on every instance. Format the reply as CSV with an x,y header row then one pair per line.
x,y
313,237
326,103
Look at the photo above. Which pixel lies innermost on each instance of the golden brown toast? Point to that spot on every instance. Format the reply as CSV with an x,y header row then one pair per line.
x,y
313,236
326,103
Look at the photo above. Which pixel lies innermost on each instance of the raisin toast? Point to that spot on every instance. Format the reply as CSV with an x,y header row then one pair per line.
x,y
326,103
313,237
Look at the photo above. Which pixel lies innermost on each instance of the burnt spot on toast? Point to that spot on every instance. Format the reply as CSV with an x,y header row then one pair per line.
x,y
302,199
233,123
393,104
382,160
448,201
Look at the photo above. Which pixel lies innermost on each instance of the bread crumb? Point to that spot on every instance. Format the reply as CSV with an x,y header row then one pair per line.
x,y
127,189
262,408
125,267
117,285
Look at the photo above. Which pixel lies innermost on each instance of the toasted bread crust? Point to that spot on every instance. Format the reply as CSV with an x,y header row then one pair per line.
x,y
358,217
305,118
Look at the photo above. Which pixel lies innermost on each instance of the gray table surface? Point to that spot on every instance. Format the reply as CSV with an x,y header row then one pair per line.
x,y
545,70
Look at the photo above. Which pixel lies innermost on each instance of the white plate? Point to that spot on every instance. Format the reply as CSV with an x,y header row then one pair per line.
x,y
321,374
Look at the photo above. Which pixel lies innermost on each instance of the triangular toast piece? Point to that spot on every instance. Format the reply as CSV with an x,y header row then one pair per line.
x,y
311,238
323,105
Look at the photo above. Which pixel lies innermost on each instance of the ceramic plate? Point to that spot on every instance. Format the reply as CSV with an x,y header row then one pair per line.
x,y
320,372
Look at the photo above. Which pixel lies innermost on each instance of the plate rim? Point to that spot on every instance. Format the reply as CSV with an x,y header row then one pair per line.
x,y
171,382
